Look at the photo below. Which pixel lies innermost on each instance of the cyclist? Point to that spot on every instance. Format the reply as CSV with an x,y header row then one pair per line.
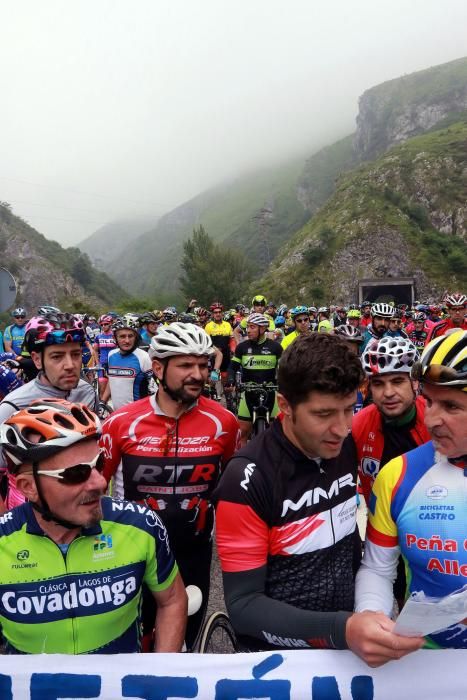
x,y
14,334
149,322
55,345
221,333
129,367
418,335
257,359
172,446
395,328
419,498
301,321
394,422
456,305
380,315
353,338
365,308
286,513
103,344
88,556
340,317
353,318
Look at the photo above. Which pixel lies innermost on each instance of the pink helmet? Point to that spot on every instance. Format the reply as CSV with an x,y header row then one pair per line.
x,y
105,318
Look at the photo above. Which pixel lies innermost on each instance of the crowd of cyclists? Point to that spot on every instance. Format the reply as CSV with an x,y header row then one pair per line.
x,y
264,423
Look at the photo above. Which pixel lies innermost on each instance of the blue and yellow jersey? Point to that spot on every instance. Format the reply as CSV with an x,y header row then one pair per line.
x,y
419,503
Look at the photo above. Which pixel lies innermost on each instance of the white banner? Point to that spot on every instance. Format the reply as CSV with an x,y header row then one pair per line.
x,y
301,674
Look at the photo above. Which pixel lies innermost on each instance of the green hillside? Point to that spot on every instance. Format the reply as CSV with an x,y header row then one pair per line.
x,y
404,214
229,213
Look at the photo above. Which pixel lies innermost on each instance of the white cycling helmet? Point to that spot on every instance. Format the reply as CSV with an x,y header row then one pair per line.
x,y
180,339
383,310
389,355
258,320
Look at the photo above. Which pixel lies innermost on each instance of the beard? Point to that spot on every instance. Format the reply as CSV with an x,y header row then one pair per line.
x,y
183,396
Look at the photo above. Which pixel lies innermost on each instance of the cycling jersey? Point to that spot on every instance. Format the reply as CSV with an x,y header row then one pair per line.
x,y
288,339
287,541
256,361
15,334
419,338
417,507
221,335
88,599
8,381
129,376
174,462
377,442
104,343
442,327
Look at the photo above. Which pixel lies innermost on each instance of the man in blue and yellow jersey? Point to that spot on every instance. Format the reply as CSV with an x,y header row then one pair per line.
x,y
418,506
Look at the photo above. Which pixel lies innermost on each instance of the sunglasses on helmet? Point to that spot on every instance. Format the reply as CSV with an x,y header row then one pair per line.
x,y
60,337
78,473
438,374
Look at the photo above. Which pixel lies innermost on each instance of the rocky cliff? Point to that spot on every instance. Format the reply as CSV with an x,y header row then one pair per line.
x,y
46,273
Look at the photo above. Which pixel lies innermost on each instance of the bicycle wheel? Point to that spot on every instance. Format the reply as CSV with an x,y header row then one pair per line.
x,y
218,636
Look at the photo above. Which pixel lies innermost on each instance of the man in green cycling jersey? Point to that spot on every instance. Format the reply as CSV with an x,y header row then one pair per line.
x,y
73,561
257,359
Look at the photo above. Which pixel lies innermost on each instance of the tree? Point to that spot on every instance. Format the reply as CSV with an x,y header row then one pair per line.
x,y
213,272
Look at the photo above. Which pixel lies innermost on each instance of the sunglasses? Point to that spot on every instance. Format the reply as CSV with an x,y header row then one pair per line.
x,y
438,374
20,316
59,337
77,474
302,320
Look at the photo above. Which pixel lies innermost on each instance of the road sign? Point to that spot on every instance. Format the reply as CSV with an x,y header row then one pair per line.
x,y
7,289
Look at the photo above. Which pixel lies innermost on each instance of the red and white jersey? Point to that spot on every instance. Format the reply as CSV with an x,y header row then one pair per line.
x,y
173,464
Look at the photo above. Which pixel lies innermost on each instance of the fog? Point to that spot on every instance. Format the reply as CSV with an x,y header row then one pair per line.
x,y
112,108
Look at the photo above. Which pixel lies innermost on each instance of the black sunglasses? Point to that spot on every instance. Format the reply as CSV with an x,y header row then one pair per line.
x,y
78,473
22,316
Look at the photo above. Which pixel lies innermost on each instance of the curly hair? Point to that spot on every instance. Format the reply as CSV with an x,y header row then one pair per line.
x,y
318,362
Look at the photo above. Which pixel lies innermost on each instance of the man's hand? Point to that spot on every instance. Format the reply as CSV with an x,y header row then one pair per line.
x,y
370,636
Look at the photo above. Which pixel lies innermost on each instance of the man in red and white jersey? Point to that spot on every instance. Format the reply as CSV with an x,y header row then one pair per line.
x,y
457,307
173,446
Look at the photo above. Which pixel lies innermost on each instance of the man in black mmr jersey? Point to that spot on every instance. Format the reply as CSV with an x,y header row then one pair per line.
x,y
286,516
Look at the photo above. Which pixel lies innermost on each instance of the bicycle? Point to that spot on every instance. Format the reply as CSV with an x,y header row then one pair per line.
x,y
103,409
260,412
217,635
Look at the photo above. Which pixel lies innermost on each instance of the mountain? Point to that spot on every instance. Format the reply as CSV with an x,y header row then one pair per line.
x,y
106,244
255,213
46,273
405,214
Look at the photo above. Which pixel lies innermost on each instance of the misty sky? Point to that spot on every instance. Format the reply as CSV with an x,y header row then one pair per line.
x,y
112,108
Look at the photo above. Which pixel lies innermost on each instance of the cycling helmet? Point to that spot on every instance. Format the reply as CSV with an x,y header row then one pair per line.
x,y
259,299
53,329
364,304
45,309
258,320
352,307
19,311
187,318
170,313
216,305
323,310
455,300
349,333
279,321
312,310
418,316
229,315
396,314
125,322
282,310
383,310
58,423
180,339
389,355
241,309
354,313
105,318
444,361
148,317
297,310
201,312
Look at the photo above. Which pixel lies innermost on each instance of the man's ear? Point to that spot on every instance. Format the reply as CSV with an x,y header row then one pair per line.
x,y
284,405
158,368
26,484
36,357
